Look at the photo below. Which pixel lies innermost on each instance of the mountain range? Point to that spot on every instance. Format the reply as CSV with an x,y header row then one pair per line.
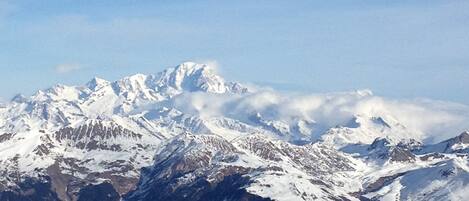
x,y
187,134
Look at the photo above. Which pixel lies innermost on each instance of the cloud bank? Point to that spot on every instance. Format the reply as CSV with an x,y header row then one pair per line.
x,y
435,120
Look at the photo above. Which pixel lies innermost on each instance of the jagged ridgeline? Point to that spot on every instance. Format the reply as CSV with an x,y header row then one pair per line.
x,y
187,134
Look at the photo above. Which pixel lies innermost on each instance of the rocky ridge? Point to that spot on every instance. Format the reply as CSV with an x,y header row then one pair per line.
x,y
127,139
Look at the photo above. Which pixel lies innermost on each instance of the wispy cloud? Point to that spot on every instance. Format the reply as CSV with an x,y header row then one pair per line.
x,y
67,68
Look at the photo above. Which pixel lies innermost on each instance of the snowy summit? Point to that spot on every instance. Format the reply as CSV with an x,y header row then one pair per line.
x,y
188,134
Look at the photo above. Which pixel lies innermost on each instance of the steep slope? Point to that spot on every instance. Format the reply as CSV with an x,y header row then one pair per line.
x,y
75,136
440,180
187,134
363,129
458,144
208,167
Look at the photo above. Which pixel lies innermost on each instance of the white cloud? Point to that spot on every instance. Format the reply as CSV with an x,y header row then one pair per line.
x,y
67,68
213,64
432,121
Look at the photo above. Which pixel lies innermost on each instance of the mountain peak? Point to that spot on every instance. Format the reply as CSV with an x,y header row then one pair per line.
x,y
190,76
190,66
97,83
463,137
134,81
136,77
19,98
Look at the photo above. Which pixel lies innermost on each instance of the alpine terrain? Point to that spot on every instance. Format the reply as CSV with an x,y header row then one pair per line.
x,y
187,134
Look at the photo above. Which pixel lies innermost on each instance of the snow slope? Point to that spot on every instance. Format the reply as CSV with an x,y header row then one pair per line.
x,y
190,129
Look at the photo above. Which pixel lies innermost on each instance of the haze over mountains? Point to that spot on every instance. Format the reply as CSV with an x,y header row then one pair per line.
x,y
188,134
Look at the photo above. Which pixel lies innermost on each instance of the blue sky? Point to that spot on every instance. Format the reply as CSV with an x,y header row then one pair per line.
x,y
401,49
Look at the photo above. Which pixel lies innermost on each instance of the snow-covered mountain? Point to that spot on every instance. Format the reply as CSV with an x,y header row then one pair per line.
x,y
187,134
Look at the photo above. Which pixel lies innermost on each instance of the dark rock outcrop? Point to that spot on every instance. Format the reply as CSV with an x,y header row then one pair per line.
x,y
31,189
462,139
185,170
5,137
99,192
93,136
402,152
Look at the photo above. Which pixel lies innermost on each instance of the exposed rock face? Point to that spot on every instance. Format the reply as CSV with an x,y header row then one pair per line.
x,y
187,169
156,137
230,187
94,136
462,138
31,189
401,155
5,137
312,157
70,186
383,149
208,167
381,182
459,143
69,169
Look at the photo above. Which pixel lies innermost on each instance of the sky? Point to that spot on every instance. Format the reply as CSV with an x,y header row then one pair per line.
x,y
396,48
